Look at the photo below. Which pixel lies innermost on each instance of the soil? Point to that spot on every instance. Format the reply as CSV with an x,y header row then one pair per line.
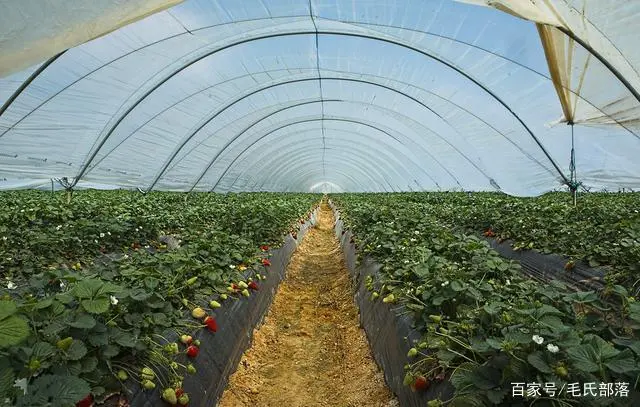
x,y
311,351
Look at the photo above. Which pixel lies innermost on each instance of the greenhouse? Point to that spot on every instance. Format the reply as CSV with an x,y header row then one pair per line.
x,y
319,203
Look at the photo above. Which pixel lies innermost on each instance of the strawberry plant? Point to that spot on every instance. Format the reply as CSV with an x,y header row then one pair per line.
x,y
484,324
94,300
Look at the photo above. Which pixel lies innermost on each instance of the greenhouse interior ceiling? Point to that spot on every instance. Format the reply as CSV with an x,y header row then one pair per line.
x,y
518,96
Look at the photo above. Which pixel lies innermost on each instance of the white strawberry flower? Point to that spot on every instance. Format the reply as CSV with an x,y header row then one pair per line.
x,y
4,238
62,285
552,348
114,300
446,283
537,339
417,232
11,285
413,240
58,227
109,233
101,234
232,267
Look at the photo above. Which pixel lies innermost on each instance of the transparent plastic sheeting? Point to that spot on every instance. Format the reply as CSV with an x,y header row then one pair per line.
x,y
33,30
322,95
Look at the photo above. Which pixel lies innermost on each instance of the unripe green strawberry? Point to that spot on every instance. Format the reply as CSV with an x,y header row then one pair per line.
x,y
198,313
435,318
34,364
173,365
242,285
374,296
184,399
223,296
171,348
185,302
147,374
197,342
64,344
169,395
186,339
423,345
214,304
191,369
231,289
389,299
192,280
245,292
148,384
561,371
122,375
412,352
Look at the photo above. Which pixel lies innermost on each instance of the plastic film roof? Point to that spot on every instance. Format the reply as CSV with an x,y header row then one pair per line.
x,y
329,95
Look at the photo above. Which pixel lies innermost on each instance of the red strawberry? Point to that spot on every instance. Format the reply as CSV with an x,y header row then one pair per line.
x,y
421,383
192,351
234,286
85,402
253,285
264,247
179,392
211,324
266,262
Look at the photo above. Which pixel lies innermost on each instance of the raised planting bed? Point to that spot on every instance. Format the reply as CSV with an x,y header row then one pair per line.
x,y
391,335
602,231
483,325
100,292
220,352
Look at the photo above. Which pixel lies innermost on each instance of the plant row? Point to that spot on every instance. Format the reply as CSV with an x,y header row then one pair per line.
x,y
602,230
110,289
484,325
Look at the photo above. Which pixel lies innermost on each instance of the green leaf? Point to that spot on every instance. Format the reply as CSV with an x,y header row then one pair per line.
x,y
110,351
123,338
7,308
457,285
42,350
538,361
584,358
496,396
77,350
138,294
88,288
42,304
493,308
461,377
7,378
84,321
485,377
55,390
89,364
13,330
469,400
623,362
97,305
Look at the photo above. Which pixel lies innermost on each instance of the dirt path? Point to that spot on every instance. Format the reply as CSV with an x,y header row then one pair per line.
x,y
310,350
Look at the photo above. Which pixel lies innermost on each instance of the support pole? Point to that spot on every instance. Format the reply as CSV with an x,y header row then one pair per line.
x,y
573,184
